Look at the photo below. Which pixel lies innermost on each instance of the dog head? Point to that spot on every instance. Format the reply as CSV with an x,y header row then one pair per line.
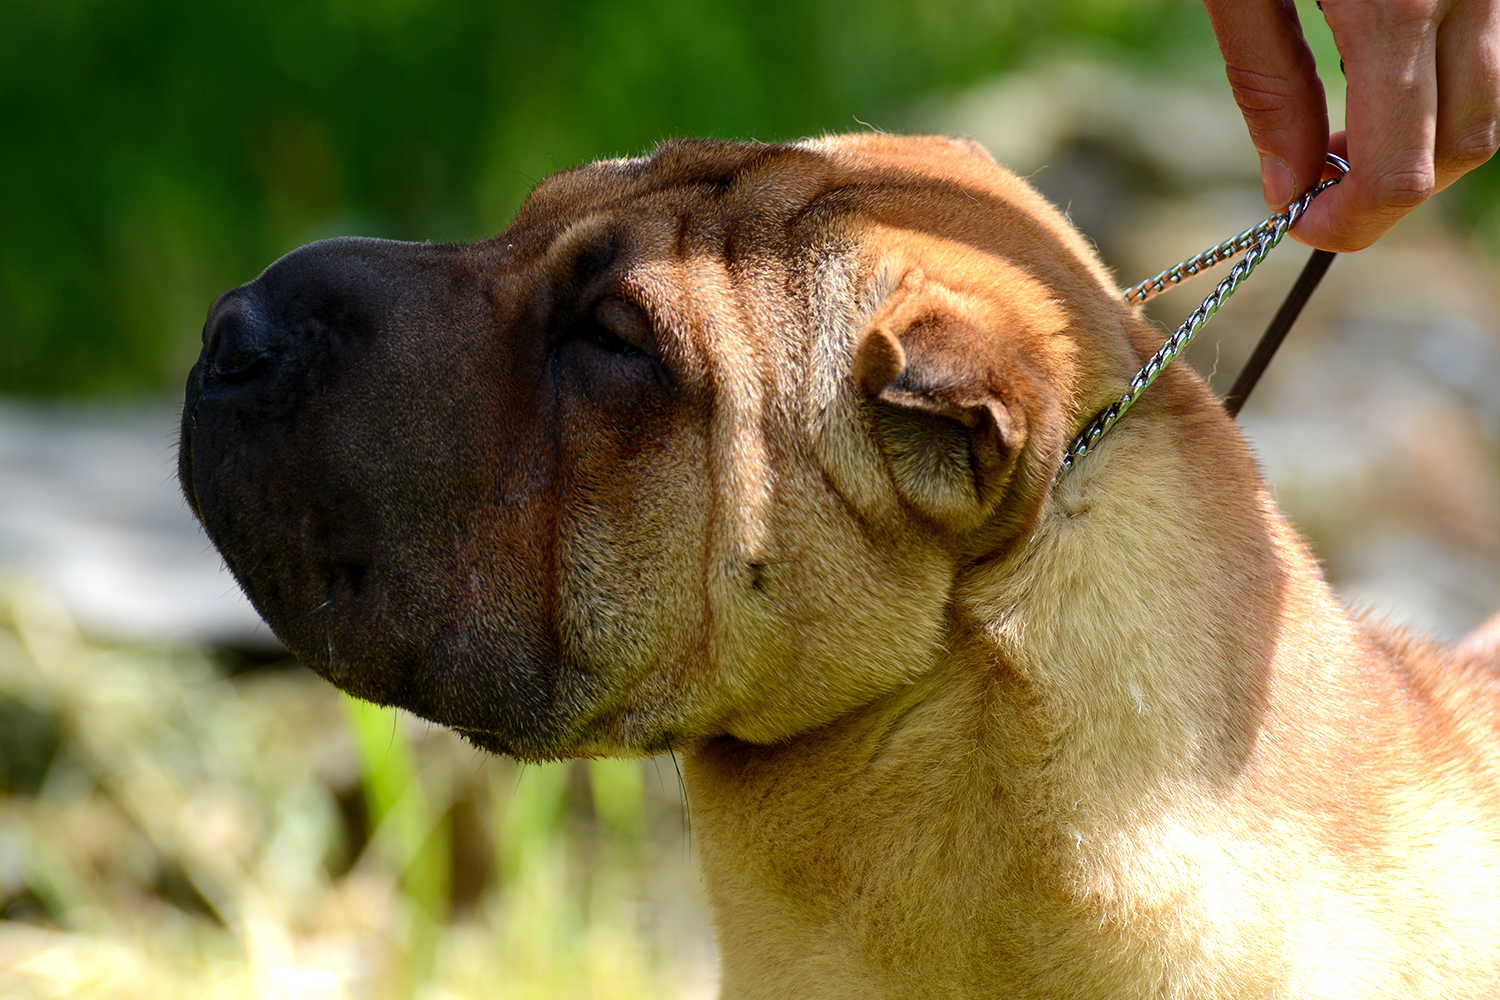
x,y
699,445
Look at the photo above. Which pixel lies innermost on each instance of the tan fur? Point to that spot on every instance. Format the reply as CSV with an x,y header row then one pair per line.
x,y
949,730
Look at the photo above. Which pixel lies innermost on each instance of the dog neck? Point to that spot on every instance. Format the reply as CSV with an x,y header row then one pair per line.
x,y
1046,787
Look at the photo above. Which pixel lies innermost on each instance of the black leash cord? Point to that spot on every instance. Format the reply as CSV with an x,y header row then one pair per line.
x,y
1276,331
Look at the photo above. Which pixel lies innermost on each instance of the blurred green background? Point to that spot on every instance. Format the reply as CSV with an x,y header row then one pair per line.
x,y
176,821
156,152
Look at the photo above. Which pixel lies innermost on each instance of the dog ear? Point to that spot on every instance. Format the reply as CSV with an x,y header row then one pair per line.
x,y
948,432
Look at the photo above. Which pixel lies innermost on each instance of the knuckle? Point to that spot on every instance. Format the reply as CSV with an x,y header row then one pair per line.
x,y
1471,147
1404,190
1262,99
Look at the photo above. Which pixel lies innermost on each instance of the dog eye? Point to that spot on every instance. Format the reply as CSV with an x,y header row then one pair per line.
x,y
601,336
618,327
615,328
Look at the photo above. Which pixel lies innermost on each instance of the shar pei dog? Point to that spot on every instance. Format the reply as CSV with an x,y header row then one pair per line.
x,y
751,452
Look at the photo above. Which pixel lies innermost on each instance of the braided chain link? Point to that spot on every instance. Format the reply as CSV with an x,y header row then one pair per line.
x,y
1256,242
1178,273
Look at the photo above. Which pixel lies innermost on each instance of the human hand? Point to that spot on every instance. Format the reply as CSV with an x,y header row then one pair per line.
x,y
1423,104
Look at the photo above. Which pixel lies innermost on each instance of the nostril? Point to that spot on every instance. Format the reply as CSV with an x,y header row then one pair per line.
x,y
237,338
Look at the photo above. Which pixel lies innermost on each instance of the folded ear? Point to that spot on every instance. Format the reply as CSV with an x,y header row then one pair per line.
x,y
947,426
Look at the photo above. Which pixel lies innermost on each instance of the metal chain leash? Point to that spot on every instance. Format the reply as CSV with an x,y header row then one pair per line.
x,y
1178,273
1256,242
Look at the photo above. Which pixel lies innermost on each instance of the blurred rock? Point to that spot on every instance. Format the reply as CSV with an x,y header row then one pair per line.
x,y
89,509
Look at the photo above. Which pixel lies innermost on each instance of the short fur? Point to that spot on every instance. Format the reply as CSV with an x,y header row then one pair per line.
x,y
747,452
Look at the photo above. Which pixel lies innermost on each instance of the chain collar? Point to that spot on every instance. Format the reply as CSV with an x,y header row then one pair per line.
x,y
1256,242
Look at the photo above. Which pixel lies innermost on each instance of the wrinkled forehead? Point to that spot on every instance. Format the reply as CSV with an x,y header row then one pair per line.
x,y
745,198
691,170
768,201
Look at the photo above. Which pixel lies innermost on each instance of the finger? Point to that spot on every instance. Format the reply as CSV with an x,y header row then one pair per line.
x,y
1389,53
1314,227
1468,77
1275,83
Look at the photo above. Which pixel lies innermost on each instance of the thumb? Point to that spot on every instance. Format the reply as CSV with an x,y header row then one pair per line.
x,y
1275,83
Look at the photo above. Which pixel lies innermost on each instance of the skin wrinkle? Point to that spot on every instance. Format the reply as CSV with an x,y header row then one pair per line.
x,y
1262,99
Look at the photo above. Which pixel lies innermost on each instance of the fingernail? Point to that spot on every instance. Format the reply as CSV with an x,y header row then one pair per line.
x,y
1280,186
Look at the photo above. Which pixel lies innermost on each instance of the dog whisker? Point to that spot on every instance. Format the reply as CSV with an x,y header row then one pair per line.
x,y
687,813
321,607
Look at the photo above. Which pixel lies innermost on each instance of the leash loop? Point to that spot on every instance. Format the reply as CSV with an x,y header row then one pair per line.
x,y
1255,242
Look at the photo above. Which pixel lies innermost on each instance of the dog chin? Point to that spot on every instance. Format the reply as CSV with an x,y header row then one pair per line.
x,y
392,638
500,697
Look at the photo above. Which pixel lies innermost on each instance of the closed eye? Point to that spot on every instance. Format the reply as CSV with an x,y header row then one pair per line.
x,y
618,329
601,336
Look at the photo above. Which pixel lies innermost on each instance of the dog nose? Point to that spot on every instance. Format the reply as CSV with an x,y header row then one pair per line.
x,y
239,337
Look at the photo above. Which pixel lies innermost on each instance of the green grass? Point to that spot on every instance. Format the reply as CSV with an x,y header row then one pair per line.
x,y
169,831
